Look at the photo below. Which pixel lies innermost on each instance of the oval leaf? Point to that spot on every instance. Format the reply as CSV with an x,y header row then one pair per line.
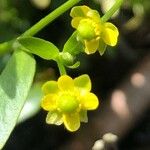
x,y
15,82
40,47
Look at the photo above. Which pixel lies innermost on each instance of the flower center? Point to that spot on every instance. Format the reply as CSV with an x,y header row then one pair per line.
x,y
67,103
86,29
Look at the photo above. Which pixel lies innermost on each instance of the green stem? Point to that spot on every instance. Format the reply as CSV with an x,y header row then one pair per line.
x,y
61,67
112,10
6,47
50,17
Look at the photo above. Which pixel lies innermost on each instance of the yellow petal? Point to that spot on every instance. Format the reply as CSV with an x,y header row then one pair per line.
x,y
65,83
94,15
71,121
54,117
91,46
83,82
75,22
110,34
49,102
50,87
89,101
112,27
79,11
109,37
85,9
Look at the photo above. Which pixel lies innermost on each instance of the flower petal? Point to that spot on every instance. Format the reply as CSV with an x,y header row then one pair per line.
x,y
83,82
54,117
75,22
89,101
91,46
112,27
50,87
110,34
79,11
65,83
71,121
83,116
94,15
49,102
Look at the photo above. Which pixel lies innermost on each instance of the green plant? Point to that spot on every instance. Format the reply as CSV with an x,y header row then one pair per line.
x,y
16,79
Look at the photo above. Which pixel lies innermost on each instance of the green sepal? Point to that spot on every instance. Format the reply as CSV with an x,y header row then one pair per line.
x,y
73,45
102,47
83,116
37,46
75,65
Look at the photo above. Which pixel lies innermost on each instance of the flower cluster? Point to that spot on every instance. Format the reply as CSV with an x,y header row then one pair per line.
x,y
94,34
67,101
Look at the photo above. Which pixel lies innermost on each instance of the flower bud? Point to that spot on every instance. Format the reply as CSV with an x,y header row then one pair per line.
x,y
67,58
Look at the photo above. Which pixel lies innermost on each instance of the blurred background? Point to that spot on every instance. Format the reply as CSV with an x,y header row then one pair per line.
x,y
121,79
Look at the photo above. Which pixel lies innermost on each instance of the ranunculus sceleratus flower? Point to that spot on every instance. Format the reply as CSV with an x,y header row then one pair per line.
x,y
67,101
94,34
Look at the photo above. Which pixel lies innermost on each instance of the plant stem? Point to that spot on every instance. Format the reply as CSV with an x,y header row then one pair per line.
x,y
61,67
112,10
50,17
6,47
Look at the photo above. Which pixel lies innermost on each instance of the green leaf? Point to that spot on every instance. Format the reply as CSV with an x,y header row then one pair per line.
x,y
73,46
40,47
32,104
15,82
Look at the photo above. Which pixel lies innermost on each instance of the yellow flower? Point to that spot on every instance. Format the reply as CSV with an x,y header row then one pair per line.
x,y
68,100
91,31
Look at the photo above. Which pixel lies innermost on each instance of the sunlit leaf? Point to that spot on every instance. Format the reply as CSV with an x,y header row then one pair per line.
x,y
15,82
32,104
40,47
